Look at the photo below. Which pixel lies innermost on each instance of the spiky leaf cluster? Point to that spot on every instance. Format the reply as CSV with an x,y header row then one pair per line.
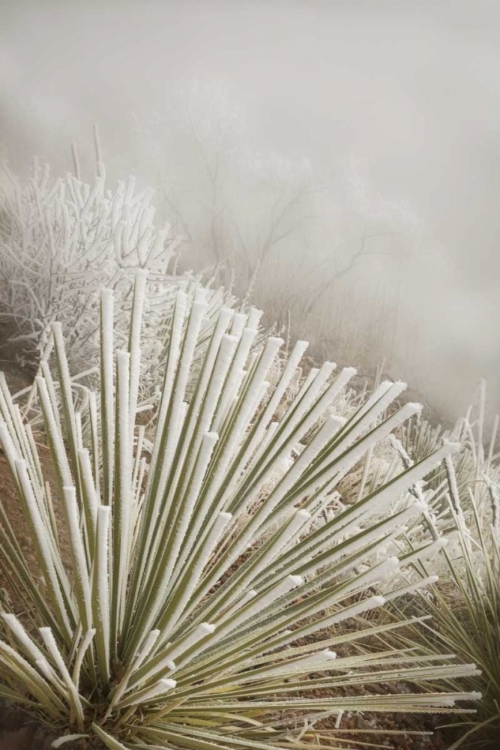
x,y
201,604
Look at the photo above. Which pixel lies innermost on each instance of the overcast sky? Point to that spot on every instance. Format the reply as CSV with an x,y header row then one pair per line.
x,y
410,87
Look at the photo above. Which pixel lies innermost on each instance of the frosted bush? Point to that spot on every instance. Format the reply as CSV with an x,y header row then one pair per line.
x,y
61,241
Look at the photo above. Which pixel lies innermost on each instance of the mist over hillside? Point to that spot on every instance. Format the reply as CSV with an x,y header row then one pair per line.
x,y
370,130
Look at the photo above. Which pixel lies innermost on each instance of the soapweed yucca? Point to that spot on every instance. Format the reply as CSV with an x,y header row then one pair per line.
x,y
464,504
199,591
466,618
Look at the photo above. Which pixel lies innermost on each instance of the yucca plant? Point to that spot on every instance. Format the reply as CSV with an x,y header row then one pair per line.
x,y
465,610
465,605
198,604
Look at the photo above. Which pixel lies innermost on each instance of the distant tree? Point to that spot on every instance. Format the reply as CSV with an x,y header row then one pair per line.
x,y
275,229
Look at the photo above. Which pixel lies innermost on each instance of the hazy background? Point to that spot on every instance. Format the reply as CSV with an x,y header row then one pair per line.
x,y
370,129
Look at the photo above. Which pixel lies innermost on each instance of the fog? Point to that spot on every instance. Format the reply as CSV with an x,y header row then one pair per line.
x,y
389,110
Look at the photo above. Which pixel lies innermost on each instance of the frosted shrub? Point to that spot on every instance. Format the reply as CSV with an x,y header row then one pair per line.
x,y
61,241
197,596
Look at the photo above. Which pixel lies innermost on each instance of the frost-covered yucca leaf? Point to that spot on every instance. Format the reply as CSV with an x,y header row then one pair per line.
x,y
200,589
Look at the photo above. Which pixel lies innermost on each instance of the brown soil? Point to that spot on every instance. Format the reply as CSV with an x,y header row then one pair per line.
x,y
20,731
